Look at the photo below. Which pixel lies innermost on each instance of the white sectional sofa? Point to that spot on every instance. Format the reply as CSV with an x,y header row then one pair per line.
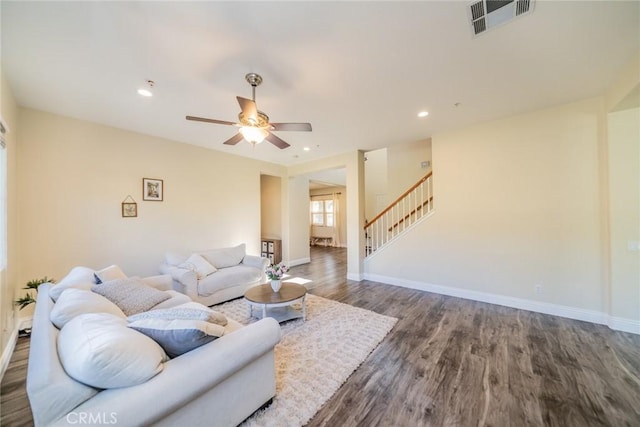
x,y
219,383
215,275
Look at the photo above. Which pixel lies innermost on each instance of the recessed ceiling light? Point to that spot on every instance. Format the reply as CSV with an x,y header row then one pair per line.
x,y
307,149
423,114
146,90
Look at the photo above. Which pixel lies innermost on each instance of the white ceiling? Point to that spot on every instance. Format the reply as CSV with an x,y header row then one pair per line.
x,y
358,71
327,178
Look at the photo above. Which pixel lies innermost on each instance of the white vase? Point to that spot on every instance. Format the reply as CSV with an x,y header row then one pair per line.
x,y
275,285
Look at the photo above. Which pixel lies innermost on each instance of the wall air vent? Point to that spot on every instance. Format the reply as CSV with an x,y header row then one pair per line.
x,y
488,14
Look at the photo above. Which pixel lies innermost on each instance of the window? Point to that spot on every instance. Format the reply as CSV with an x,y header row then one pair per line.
x,y
322,213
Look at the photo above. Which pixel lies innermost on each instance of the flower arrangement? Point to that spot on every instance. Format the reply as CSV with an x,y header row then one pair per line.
x,y
275,272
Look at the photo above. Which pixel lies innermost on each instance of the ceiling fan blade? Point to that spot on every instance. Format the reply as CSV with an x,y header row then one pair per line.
x,y
202,119
302,127
276,141
249,109
234,139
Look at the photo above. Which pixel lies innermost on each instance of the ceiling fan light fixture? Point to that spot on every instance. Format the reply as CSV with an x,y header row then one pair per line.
x,y
254,135
254,124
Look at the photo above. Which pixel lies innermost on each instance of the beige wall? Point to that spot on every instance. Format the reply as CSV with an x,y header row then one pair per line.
x,y
298,201
404,167
73,176
376,182
9,285
391,171
517,204
624,203
271,206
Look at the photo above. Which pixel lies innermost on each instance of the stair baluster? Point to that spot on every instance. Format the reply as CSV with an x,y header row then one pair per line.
x,y
413,205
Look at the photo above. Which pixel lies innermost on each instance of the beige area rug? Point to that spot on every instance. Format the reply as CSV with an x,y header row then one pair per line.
x,y
314,358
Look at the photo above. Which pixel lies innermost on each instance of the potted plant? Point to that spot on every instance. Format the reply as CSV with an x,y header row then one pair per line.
x,y
275,273
29,298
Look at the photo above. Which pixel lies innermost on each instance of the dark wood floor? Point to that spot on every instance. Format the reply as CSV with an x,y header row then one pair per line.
x,y
14,405
454,362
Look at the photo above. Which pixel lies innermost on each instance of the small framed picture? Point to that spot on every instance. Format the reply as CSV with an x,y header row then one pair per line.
x,y
152,189
129,210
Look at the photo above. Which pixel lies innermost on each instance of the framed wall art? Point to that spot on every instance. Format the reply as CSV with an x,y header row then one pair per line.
x,y
152,189
129,208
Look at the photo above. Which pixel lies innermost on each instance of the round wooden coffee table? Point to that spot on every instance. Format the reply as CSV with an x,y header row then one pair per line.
x,y
278,304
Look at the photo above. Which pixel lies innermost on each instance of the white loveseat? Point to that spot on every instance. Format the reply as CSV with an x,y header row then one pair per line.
x,y
219,383
216,275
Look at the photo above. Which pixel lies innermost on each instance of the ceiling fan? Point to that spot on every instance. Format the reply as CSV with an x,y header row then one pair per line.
x,y
254,124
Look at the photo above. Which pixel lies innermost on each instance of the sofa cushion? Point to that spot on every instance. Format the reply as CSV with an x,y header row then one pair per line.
x,y
201,266
228,277
99,350
178,336
225,257
78,277
112,272
188,311
161,282
131,295
74,302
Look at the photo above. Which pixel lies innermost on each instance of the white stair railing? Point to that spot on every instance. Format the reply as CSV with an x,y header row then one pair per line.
x,y
405,211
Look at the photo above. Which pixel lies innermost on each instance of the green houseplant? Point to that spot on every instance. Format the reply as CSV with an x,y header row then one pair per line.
x,y
28,297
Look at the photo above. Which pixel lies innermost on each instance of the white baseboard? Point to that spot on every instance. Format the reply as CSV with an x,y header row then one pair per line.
x,y
299,261
25,322
624,325
592,316
7,352
358,277
21,323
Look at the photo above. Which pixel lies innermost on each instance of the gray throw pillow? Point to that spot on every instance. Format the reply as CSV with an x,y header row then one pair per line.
x,y
131,295
178,336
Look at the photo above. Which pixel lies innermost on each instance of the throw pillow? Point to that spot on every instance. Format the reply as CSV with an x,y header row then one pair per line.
x,y
131,295
174,259
201,266
112,272
99,350
182,312
178,336
176,298
74,302
226,257
214,316
78,277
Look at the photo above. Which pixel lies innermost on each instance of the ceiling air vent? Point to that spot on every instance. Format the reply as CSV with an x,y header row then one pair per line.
x,y
488,14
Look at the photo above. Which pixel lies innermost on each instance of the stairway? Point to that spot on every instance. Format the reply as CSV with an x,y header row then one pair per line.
x,y
412,206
